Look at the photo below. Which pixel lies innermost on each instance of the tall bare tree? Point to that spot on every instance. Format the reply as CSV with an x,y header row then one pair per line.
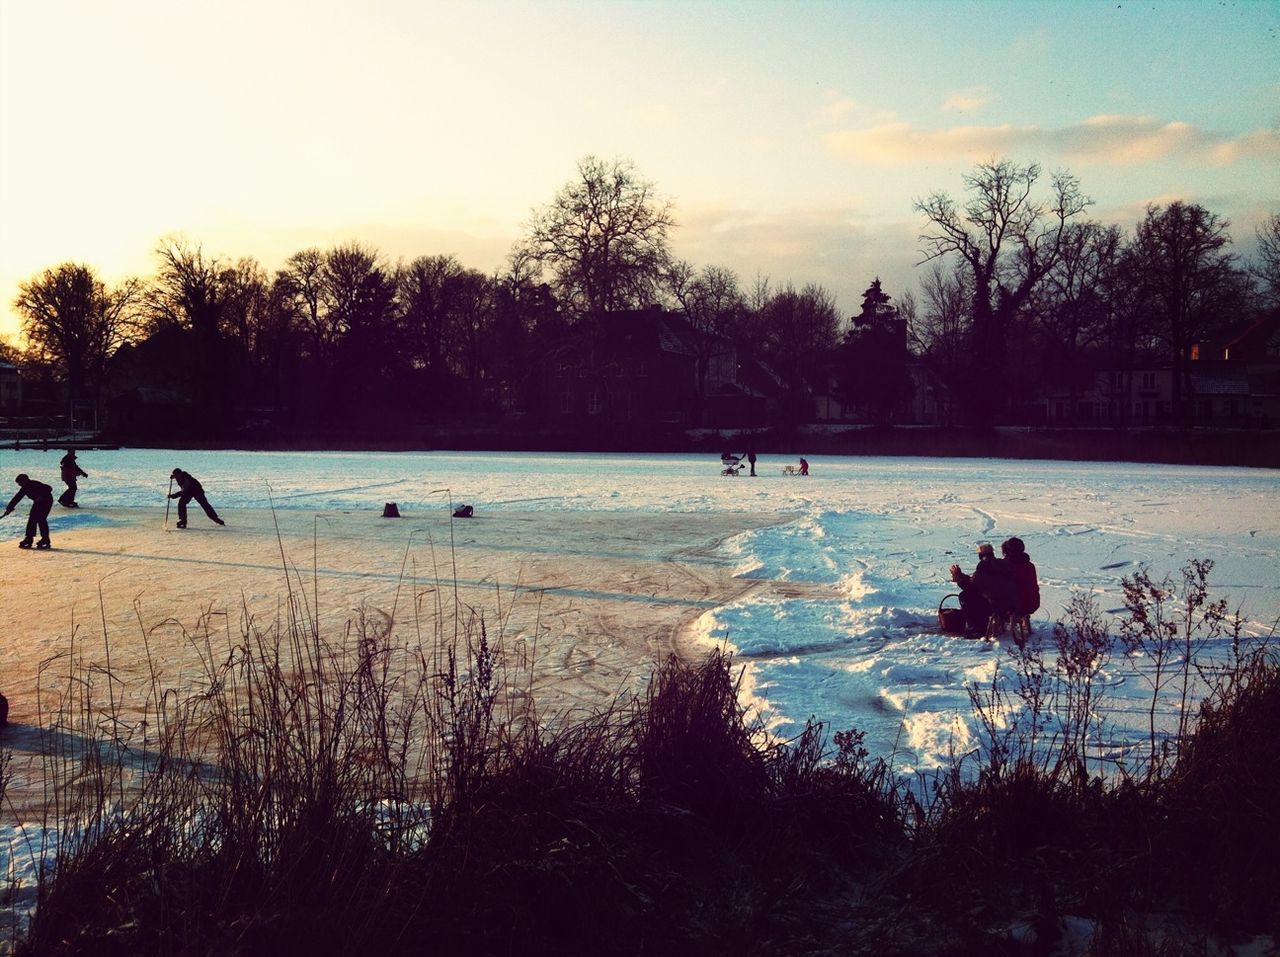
x,y
1179,265
937,329
802,328
75,323
1008,241
1074,305
604,238
1266,269
712,304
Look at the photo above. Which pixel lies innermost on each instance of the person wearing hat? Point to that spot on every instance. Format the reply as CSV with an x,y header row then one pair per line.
x,y
988,592
41,496
70,470
190,488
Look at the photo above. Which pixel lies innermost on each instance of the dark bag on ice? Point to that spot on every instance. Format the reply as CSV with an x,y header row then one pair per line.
x,y
463,511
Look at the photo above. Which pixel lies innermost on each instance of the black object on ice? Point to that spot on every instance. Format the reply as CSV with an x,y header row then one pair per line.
x,y
390,510
463,511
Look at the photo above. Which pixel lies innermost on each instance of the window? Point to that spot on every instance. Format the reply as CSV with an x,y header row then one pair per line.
x,y
593,403
1148,380
566,402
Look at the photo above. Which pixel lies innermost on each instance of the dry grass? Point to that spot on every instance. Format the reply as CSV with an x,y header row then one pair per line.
x,y
374,796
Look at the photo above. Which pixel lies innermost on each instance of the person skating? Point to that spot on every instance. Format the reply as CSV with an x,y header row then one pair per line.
x,y
70,471
751,458
41,496
190,488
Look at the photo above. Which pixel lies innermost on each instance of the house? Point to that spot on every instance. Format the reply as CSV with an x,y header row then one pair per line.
x,y
10,390
630,370
1114,397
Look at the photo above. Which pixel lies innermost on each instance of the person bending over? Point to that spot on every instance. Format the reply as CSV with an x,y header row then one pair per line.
x,y
190,488
41,496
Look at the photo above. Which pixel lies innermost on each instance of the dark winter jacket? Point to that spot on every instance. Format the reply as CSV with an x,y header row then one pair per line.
x,y
71,468
187,484
993,579
36,491
1024,582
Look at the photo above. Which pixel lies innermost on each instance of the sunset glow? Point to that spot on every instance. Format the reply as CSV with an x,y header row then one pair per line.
x,y
792,137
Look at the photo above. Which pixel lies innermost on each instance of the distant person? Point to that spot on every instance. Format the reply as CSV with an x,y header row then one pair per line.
x,y
70,471
751,459
804,465
988,591
41,496
190,488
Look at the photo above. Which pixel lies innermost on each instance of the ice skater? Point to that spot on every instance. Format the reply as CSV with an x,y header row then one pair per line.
x,y
70,471
41,496
190,488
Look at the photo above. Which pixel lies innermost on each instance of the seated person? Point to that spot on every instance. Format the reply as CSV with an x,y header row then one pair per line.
x,y
988,591
1026,587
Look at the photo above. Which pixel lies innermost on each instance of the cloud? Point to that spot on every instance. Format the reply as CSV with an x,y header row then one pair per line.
x,y
836,108
1116,140
840,248
964,101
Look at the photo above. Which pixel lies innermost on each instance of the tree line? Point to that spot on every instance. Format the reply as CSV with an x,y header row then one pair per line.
x,y
1021,292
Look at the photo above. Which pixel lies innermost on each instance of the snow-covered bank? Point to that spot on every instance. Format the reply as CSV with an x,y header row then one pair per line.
x,y
838,616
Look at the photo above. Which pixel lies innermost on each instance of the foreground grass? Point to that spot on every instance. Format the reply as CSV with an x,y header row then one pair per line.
x,y
371,798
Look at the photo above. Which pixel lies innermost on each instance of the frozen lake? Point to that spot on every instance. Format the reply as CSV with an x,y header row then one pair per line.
x,y
843,623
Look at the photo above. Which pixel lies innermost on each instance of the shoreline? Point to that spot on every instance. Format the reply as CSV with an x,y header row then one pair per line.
x,y
1251,448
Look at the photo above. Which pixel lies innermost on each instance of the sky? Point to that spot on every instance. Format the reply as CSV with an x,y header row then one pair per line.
x,y
792,138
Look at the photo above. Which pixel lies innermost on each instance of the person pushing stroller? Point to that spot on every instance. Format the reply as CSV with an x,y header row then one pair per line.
x,y
190,488
41,496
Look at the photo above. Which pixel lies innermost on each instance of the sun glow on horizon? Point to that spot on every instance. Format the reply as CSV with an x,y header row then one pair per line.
x,y
258,130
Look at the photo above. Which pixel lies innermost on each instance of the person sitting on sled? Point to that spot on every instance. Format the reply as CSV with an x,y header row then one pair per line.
x,y
988,591
41,496
190,488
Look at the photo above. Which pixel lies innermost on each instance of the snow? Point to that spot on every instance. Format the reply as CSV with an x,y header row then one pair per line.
x,y
835,608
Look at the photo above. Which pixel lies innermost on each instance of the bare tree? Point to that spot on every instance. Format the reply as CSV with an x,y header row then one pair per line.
x,y
712,304
1008,241
428,289
1074,304
73,322
604,238
1266,269
937,328
1179,267
188,291
302,278
802,329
